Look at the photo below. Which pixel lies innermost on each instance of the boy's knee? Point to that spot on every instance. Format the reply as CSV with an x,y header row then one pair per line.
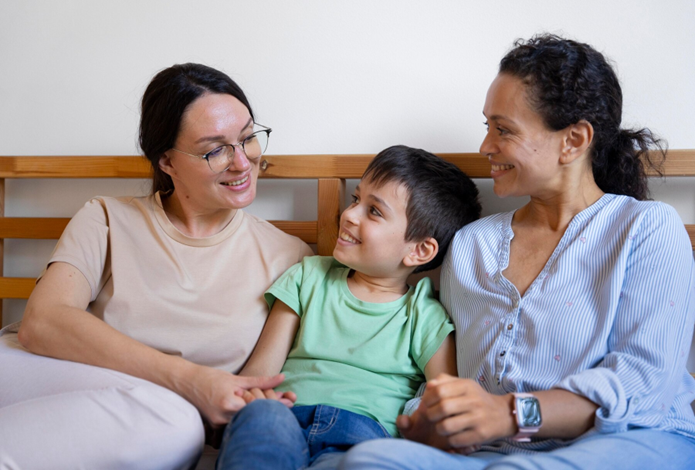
x,y
268,410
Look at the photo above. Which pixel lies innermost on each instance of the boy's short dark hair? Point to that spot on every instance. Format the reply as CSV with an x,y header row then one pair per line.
x,y
441,198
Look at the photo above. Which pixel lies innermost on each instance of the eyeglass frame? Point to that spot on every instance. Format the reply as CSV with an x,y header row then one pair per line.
x,y
239,145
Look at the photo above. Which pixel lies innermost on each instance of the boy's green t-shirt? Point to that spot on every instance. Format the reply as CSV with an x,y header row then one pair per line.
x,y
368,358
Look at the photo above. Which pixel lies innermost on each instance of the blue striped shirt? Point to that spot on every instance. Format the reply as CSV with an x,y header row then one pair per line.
x,y
610,317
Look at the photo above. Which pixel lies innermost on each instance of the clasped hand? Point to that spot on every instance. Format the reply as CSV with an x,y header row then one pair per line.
x,y
457,415
218,395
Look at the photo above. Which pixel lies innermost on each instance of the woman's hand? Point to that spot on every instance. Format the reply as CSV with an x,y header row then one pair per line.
x,y
216,393
465,414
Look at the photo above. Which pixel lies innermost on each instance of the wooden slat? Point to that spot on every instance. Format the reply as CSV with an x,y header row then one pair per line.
x,y
43,228
307,231
16,287
75,167
678,163
2,242
352,166
691,232
331,196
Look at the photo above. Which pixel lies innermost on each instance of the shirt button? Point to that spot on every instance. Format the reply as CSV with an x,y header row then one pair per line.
x,y
510,326
502,353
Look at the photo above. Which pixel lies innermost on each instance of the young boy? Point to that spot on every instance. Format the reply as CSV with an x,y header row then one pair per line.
x,y
360,340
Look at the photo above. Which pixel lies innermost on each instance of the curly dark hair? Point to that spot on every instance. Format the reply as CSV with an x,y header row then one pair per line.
x,y
568,82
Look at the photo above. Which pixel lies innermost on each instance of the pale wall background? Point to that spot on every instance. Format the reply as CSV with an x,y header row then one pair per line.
x,y
329,77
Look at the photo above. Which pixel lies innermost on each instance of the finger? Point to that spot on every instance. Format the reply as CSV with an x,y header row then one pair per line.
x,y
257,393
441,379
455,424
270,394
286,402
450,407
448,389
248,396
289,396
263,383
403,423
229,405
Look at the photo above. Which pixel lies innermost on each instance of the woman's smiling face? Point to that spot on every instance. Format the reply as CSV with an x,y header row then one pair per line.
x,y
523,152
210,121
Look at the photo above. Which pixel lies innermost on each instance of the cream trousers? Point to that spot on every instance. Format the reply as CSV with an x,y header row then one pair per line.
x,y
57,414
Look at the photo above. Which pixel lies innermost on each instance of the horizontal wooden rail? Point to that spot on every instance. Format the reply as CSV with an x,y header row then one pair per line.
x,y
678,163
45,228
16,287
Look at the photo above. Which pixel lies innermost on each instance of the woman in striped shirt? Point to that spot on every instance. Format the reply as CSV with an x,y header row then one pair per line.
x,y
574,314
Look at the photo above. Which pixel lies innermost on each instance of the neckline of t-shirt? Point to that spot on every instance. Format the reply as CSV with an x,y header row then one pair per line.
x,y
372,307
180,237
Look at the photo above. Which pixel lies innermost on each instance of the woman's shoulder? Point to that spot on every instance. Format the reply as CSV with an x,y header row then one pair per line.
x,y
634,211
101,209
488,227
269,234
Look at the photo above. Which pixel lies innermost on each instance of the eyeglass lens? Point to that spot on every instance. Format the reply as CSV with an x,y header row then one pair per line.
x,y
253,146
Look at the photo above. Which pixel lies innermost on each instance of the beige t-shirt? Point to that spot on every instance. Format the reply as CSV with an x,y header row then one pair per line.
x,y
199,298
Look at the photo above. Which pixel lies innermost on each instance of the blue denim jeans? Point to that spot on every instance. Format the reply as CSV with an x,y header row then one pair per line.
x,y
267,435
631,450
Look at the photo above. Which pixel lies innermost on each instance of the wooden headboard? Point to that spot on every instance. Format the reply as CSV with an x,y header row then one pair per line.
x,y
331,171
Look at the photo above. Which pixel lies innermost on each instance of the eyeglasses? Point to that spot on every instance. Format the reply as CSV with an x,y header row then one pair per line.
x,y
220,158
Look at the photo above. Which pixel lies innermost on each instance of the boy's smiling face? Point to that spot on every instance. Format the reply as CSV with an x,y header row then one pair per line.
x,y
372,230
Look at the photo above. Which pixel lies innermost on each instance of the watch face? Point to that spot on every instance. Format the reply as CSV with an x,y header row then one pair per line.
x,y
529,412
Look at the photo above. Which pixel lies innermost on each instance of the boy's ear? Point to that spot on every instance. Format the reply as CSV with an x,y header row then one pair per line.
x,y
422,253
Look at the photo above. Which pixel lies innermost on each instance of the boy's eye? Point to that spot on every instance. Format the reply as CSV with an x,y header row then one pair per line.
x,y
355,199
374,211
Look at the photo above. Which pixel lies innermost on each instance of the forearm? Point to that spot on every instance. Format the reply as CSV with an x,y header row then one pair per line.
x,y
274,344
258,367
73,334
566,415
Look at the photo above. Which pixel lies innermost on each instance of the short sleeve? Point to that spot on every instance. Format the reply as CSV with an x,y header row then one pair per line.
x,y
431,324
85,245
287,288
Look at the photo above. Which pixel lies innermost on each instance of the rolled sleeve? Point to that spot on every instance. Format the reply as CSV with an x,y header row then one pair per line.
x,y
639,377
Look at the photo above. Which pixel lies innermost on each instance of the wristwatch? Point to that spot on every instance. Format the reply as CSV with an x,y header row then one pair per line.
x,y
527,410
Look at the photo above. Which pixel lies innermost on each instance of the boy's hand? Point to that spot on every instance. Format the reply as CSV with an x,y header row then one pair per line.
x,y
419,429
286,398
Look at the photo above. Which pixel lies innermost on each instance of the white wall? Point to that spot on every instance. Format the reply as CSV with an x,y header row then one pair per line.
x,y
329,77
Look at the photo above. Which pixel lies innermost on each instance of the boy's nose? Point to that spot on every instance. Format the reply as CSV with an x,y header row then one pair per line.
x,y
350,215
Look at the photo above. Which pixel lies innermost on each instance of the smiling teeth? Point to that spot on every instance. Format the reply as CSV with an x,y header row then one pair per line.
x,y
347,238
236,183
502,167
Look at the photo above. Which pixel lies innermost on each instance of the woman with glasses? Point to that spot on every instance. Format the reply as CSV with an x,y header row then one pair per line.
x,y
150,305
574,314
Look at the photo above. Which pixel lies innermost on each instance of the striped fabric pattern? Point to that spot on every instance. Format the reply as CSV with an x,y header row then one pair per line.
x,y
610,317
